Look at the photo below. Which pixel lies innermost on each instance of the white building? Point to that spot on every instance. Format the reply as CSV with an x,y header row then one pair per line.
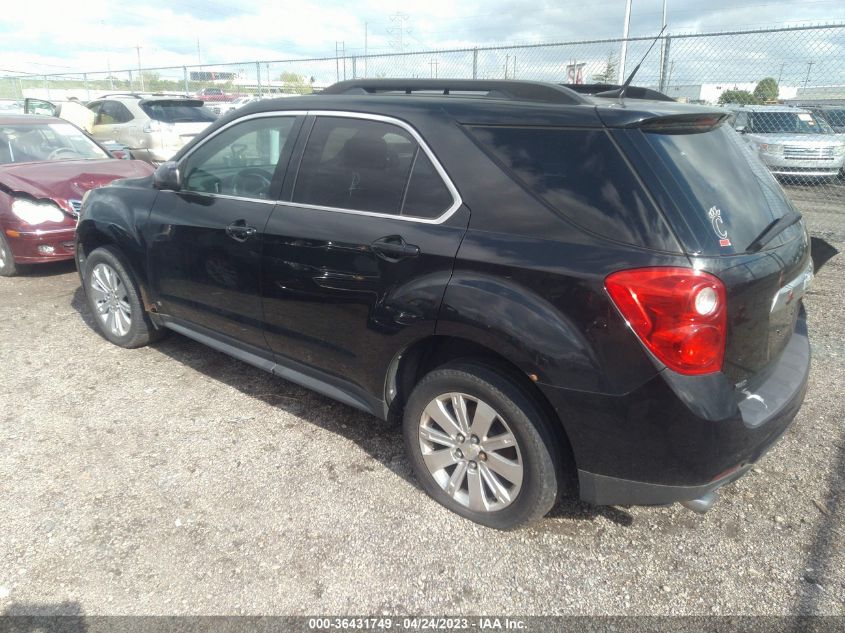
x,y
710,93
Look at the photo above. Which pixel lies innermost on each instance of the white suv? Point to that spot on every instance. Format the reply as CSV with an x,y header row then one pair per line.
x,y
153,127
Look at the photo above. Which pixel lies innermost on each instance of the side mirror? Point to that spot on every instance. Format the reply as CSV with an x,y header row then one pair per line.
x,y
740,129
167,177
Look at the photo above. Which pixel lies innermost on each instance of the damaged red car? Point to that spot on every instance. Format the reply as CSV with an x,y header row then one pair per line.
x,y
46,166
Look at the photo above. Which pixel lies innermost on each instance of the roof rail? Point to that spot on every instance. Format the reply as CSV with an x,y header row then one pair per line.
x,y
631,92
501,89
121,94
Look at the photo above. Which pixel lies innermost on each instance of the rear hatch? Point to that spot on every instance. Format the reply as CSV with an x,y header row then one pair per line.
x,y
180,120
719,198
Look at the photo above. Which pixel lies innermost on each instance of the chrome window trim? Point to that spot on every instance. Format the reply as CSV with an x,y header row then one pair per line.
x,y
449,212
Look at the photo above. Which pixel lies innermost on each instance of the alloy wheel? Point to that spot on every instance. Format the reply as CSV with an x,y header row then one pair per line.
x,y
111,299
471,452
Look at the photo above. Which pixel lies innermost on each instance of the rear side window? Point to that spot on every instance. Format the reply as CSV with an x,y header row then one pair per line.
x,y
581,174
112,112
372,166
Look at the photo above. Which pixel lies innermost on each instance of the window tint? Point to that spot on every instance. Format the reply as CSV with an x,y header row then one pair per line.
x,y
427,195
355,164
581,174
717,171
175,112
113,112
241,160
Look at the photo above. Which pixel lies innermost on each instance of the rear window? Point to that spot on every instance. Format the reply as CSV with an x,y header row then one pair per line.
x,y
725,193
788,123
178,113
582,175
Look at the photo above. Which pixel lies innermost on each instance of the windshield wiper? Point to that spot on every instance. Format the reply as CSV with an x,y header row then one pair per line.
x,y
774,229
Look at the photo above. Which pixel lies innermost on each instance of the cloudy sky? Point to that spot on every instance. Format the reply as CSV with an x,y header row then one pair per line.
x,y
55,36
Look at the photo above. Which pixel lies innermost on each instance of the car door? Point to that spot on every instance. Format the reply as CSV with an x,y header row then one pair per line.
x,y
205,239
112,122
357,260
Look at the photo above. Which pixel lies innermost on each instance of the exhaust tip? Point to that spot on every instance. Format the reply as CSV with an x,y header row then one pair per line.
x,y
703,503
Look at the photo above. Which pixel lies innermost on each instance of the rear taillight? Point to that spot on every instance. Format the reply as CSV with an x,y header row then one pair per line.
x,y
679,314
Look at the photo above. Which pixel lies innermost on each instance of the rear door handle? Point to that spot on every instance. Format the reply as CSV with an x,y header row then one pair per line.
x,y
393,248
240,231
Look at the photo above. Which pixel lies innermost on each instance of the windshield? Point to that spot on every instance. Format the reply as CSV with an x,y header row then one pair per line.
x,y
788,123
170,112
836,117
46,141
724,192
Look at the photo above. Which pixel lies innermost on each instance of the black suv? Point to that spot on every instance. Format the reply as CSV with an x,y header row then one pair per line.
x,y
553,291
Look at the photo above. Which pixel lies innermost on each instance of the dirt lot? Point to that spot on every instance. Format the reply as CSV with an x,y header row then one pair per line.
x,y
173,479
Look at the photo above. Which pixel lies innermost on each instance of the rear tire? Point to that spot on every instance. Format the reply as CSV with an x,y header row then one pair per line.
x,y
480,446
114,298
8,268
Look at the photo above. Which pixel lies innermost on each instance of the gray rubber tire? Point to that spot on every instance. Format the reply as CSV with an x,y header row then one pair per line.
x,y
542,480
141,330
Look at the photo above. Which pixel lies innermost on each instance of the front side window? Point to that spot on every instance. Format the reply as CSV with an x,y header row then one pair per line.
x,y
241,160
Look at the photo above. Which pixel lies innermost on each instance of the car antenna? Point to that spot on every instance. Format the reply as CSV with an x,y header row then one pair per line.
x,y
620,91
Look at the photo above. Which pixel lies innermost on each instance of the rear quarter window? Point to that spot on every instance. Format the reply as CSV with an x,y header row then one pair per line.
x,y
582,175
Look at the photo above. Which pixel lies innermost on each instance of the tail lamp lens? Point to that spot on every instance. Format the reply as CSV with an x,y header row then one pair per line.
x,y
679,314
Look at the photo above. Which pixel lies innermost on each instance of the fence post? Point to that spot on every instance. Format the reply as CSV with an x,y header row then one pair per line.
x,y
130,81
475,63
354,68
664,69
46,86
258,76
185,79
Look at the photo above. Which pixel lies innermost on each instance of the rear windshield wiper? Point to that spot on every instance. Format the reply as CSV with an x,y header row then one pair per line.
x,y
774,229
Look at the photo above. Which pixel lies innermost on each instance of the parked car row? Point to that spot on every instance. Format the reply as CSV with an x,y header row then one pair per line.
x,y
795,143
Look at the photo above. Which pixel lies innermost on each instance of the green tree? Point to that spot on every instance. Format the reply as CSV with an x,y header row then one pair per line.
x,y
738,96
298,84
608,75
767,90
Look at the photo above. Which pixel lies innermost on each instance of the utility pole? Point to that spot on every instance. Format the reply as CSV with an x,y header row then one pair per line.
x,y
140,74
624,52
339,48
780,74
365,49
507,63
199,59
398,30
807,80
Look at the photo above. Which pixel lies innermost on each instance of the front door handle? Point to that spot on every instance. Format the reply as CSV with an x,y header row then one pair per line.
x,y
393,248
240,231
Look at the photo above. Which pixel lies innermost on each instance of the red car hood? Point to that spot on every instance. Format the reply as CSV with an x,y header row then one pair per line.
x,y
65,180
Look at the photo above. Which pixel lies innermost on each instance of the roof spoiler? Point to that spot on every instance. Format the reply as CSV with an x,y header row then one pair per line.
x,y
682,123
631,92
500,89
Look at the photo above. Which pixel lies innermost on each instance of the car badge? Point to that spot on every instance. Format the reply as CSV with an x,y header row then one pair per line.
x,y
715,215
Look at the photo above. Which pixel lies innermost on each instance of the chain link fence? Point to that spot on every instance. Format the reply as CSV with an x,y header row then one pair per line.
x,y
755,73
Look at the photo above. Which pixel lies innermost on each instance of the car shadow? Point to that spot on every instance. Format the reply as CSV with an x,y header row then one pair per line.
x,y
381,440
32,617
50,269
822,252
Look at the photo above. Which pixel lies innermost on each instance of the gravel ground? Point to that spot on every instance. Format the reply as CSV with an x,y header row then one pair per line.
x,y
176,480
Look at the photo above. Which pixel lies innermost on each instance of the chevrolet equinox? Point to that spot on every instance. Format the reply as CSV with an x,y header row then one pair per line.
x,y
555,292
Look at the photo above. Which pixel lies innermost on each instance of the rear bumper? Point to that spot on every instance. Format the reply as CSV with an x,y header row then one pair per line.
x,y
32,247
650,448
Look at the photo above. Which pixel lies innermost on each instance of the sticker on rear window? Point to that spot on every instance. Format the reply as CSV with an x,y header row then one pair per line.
x,y
715,215
805,117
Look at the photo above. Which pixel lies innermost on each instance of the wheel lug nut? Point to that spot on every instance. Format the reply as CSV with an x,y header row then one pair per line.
x,y
473,465
482,456
461,438
459,453
474,439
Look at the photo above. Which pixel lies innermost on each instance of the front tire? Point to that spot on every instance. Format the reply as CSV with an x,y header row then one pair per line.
x,y
480,446
115,299
8,268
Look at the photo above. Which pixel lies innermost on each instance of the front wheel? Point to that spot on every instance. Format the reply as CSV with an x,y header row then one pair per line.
x,y
480,446
8,268
115,299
